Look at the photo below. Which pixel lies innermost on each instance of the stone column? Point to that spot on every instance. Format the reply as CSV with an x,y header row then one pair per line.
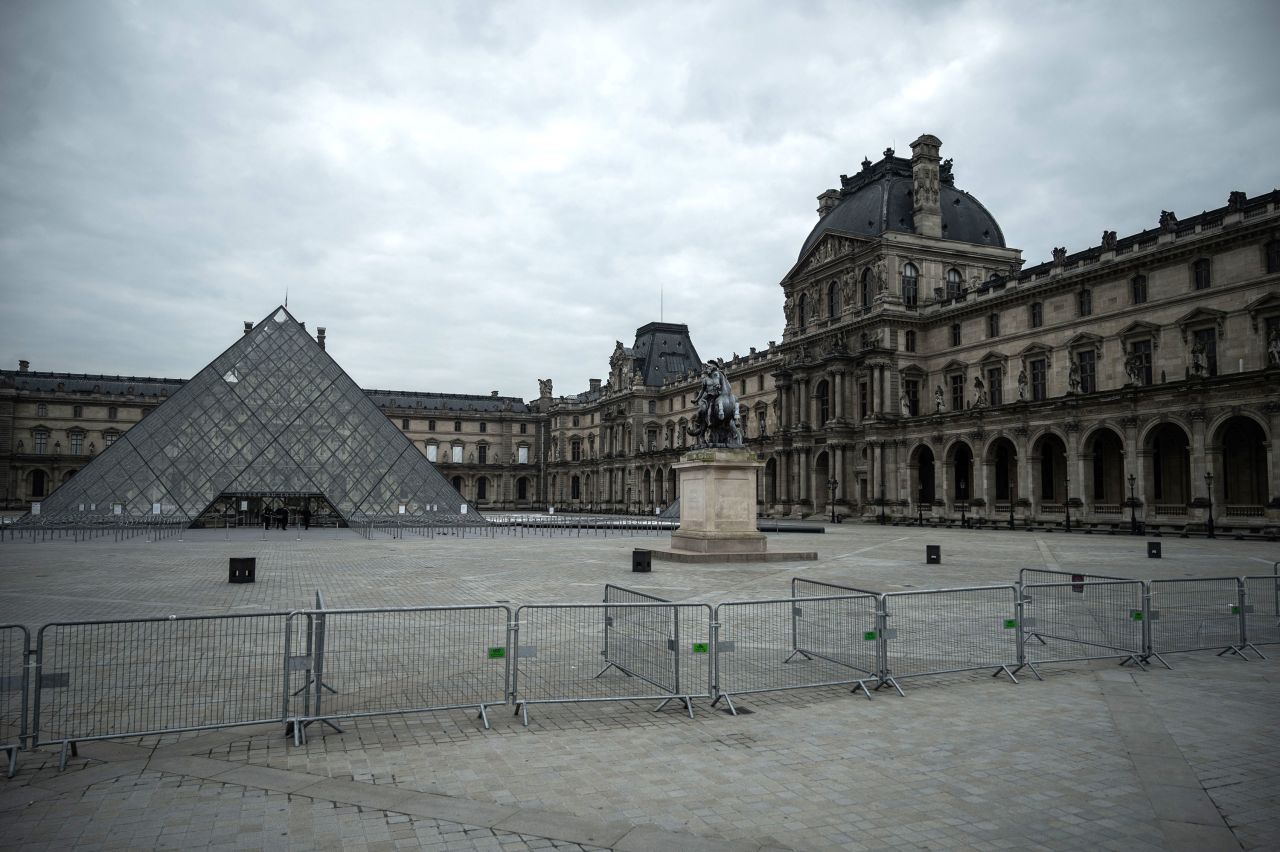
x,y
1075,464
1199,458
1022,445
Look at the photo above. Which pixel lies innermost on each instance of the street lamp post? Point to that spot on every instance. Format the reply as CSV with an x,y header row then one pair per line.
x,y
831,487
1208,481
1133,507
1066,478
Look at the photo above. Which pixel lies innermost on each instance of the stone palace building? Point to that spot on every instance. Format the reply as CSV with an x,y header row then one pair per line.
x,y
923,370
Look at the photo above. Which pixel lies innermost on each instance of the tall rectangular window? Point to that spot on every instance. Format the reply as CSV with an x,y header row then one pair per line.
x,y
862,400
482,454
1088,361
524,428
1037,314
404,424
109,438
1202,273
1138,289
957,392
1208,338
760,382
431,425
955,334
1039,380
484,427
522,455
77,443
1084,303
993,325
457,425
913,397
1142,349
42,442
995,385
909,341
457,454
433,453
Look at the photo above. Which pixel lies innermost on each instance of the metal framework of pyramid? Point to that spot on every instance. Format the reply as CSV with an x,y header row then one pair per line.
x,y
274,414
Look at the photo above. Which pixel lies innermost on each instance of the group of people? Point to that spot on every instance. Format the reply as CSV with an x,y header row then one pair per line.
x,y
279,517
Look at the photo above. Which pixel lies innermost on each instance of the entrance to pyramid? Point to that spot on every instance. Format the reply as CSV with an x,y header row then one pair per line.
x,y
265,510
272,423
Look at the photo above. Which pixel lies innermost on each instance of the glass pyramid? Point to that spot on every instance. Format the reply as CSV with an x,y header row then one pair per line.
x,y
272,415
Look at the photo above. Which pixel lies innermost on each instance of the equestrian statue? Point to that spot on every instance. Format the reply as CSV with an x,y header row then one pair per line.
x,y
716,423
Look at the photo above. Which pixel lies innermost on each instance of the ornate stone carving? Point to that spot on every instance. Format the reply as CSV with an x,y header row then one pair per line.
x,y
1109,240
1236,200
1197,414
716,423
1168,222
939,404
1059,254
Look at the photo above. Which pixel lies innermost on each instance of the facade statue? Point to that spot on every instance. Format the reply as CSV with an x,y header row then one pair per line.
x,y
905,403
1273,348
1168,221
979,393
939,403
1073,377
1197,359
1133,368
789,309
544,387
878,275
1022,385
1236,200
1059,254
716,422
1109,240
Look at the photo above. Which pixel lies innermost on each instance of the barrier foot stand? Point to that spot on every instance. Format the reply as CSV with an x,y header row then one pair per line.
x,y
522,710
861,684
793,655
62,759
889,681
1004,670
1255,650
1022,666
1238,650
1138,662
608,666
13,760
728,702
484,716
683,699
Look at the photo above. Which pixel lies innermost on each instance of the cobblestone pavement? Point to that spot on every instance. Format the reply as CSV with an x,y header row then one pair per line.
x,y
1093,756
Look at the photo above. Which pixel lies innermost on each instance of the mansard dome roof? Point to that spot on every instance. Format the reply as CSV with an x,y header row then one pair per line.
x,y
878,199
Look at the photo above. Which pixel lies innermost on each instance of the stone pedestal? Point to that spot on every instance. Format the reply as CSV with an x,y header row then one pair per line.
x,y
718,502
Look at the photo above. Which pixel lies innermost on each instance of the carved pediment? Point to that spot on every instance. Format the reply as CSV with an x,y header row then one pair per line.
x,y
955,366
993,357
1264,306
1084,339
1200,318
830,247
1037,350
1139,328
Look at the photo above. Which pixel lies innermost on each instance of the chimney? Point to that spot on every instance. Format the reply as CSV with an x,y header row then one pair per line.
x,y
595,385
23,366
827,202
320,335
248,326
925,209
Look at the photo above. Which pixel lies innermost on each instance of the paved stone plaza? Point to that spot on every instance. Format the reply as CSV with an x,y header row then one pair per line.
x,y
1094,756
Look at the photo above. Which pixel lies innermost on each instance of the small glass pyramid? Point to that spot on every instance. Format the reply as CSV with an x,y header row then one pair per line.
x,y
272,415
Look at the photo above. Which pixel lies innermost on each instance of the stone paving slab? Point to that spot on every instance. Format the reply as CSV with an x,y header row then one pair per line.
x,y
1094,756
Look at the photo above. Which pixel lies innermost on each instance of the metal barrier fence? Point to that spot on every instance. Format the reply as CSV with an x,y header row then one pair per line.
x,y
938,631
102,679
1262,611
14,687
657,651
348,663
795,643
89,528
1087,620
1196,615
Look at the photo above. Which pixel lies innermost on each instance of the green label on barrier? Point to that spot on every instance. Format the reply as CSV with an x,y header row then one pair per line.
x,y
701,647
497,653
1011,624
869,636
1235,610
1136,615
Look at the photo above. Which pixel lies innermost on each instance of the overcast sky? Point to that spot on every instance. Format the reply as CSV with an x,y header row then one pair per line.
x,y
473,196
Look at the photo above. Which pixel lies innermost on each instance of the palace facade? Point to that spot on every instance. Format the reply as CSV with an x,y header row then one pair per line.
x,y
923,370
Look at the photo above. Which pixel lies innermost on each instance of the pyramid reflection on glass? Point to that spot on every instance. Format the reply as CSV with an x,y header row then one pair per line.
x,y
273,415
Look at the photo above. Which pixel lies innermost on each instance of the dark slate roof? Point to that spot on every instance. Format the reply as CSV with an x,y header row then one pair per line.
x,y
88,383
663,351
139,386
878,199
446,401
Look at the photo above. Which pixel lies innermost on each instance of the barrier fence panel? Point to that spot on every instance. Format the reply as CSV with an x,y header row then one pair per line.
x,y
373,662
1091,620
1262,611
14,689
795,643
1197,615
656,651
802,587
951,630
101,679
1045,575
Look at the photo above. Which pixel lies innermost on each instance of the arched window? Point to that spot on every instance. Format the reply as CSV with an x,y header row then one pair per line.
x,y
864,288
910,285
833,300
955,281
800,312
